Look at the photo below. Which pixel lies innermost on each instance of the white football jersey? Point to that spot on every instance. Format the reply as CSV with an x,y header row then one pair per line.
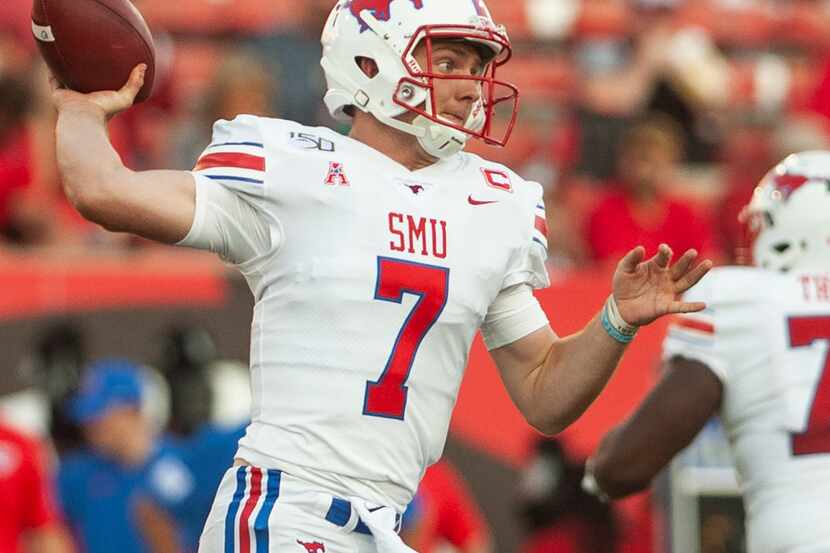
x,y
766,336
370,282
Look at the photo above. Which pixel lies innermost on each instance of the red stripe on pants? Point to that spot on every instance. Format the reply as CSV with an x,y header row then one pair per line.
x,y
253,498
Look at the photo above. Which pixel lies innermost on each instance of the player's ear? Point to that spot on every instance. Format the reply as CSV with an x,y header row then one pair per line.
x,y
368,66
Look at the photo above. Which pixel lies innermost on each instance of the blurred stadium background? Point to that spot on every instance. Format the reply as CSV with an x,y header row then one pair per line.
x,y
645,120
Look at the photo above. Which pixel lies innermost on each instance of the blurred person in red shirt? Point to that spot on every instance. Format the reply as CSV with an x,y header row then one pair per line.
x,y
29,523
447,513
23,216
819,100
15,163
748,155
635,209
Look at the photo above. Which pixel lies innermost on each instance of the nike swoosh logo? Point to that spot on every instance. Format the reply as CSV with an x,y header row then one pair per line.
x,y
473,201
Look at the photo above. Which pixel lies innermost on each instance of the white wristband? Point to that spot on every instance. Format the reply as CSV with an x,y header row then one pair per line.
x,y
619,328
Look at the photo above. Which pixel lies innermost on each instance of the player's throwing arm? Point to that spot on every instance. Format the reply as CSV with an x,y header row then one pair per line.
x,y
157,205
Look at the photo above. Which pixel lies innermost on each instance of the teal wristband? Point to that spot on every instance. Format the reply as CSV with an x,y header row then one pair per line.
x,y
613,331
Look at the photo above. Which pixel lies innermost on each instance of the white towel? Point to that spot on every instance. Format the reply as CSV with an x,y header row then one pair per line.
x,y
381,522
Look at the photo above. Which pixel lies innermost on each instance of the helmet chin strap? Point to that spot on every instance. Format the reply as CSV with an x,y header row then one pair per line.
x,y
439,140
442,141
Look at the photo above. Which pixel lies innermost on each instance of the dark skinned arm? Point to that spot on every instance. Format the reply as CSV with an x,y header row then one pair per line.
x,y
667,421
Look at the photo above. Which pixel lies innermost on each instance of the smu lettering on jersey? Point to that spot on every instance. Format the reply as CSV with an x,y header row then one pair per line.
x,y
766,336
370,283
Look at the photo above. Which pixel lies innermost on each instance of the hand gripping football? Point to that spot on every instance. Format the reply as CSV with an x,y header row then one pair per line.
x,y
92,45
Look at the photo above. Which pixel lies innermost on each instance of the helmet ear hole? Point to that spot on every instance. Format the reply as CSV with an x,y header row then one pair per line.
x,y
368,66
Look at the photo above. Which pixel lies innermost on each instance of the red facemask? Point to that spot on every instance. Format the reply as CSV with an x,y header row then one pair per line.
x,y
494,93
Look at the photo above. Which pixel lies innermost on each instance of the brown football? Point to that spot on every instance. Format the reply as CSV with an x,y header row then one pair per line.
x,y
93,45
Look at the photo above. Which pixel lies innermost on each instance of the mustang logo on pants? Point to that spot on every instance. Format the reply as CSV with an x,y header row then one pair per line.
x,y
313,547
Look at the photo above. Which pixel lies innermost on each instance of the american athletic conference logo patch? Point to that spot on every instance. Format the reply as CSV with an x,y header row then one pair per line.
x,y
336,176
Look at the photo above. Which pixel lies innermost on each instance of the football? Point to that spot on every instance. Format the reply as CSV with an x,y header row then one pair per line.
x,y
92,45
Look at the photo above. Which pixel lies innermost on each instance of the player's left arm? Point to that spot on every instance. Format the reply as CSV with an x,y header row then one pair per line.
x,y
667,421
554,380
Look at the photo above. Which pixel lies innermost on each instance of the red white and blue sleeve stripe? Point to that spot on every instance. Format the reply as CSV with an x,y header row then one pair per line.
x,y
694,336
239,165
540,227
696,329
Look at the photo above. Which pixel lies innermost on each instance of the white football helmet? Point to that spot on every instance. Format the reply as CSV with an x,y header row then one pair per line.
x,y
388,31
788,219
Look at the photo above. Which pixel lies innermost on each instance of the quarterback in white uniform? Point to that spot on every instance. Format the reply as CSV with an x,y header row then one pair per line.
x,y
373,259
759,355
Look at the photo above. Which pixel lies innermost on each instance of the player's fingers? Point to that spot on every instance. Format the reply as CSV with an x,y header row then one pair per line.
x,y
632,259
663,256
682,266
135,82
694,276
686,307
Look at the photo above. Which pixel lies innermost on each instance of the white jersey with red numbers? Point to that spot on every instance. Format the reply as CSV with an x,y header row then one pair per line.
x,y
767,337
370,282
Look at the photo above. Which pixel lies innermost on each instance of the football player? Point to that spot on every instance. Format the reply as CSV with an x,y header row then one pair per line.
x,y
758,356
373,258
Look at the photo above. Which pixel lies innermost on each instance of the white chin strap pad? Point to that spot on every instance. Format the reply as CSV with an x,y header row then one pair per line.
x,y
438,140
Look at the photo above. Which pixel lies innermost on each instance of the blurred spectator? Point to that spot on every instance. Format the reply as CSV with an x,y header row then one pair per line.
x,y
29,523
208,454
45,378
16,174
187,353
635,208
617,78
658,67
55,366
293,56
567,204
819,102
748,154
123,491
16,44
188,363
242,85
33,211
559,516
447,514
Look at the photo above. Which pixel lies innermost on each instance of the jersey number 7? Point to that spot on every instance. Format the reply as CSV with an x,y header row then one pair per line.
x,y
386,396
816,437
